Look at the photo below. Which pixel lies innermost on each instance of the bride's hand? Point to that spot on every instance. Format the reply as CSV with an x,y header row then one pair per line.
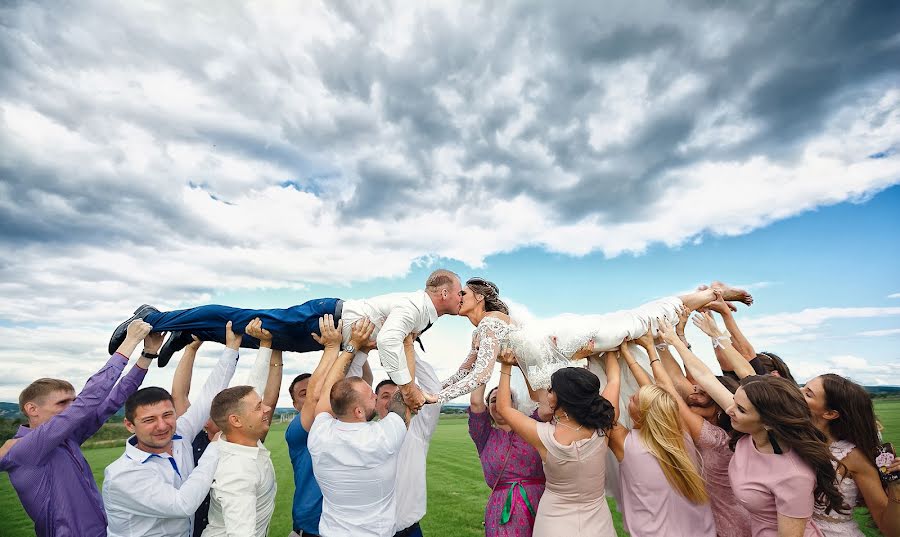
x,y
585,351
508,357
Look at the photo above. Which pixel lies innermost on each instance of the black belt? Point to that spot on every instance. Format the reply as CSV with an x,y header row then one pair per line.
x,y
338,309
408,531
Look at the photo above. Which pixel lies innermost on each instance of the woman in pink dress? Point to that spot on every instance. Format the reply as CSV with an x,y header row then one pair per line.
x,y
573,448
781,466
512,468
709,425
663,494
842,410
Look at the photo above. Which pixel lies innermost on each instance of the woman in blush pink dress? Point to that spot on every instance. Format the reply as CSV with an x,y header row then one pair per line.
x,y
573,448
781,466
512,468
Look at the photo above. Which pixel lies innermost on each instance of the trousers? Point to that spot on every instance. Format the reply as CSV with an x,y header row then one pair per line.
x,y
291,328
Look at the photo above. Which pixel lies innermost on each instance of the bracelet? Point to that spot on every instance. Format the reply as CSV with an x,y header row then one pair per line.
x,y
149,355
629,364
716,341
654,360
276,365
503,373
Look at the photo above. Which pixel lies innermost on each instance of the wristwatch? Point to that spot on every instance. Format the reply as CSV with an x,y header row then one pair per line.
x,y
150,355
350,348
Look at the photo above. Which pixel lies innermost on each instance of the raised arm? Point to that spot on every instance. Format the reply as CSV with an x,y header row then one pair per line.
x,y
613,381
693,422
703,375
192,421
181,382
330,339
81,414
683,386
266,373
740,341
359,338
476,400
738,363
641,376
521,424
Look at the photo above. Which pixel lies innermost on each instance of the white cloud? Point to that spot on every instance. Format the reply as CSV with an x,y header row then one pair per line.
x,y
881,333
895,295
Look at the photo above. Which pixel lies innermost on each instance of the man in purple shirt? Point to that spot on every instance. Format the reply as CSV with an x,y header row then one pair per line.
x,y
45,464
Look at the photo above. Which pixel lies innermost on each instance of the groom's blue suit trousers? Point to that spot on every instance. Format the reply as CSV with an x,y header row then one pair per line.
x,y
291,328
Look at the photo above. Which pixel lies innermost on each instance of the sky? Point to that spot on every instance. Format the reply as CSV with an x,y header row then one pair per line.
x,y
586,158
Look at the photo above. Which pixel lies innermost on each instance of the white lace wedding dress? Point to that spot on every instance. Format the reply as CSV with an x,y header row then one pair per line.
x,y
539,357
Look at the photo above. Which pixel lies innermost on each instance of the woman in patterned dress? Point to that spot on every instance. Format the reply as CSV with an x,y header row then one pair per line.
x,y
512,468
842,410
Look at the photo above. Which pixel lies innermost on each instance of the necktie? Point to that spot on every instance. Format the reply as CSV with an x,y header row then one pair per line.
x,y
419,341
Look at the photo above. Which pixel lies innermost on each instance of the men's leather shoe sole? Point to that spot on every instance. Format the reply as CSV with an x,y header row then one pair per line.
x,y
177,341
118,335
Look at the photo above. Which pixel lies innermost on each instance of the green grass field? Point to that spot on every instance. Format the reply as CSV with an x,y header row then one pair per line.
x,y
456,489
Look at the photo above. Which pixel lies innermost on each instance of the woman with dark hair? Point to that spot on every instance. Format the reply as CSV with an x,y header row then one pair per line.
x,y
781,466
512,468
573,447
842,410
774,365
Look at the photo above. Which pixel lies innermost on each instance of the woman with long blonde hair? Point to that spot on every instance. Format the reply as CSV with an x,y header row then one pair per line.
x,y
662,491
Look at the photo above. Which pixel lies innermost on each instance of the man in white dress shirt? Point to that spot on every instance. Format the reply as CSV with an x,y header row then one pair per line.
x,y
242,497
354,459
153,489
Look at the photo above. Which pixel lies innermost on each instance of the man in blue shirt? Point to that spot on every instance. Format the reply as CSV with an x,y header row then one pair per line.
x,y
307,496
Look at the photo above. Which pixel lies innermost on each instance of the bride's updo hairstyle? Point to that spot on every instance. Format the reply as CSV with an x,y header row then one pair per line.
x,y
490,292
578,394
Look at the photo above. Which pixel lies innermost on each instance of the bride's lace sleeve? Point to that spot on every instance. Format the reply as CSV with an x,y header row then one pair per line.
x,y
465,367
480,372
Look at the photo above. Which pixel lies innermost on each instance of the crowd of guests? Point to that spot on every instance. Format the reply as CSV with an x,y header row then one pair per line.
x,y
745,453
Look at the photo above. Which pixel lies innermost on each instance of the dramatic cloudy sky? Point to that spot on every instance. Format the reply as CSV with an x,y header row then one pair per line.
x,y
585,158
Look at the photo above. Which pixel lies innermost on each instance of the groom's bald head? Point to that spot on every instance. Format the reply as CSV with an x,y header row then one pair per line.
x,y
443,286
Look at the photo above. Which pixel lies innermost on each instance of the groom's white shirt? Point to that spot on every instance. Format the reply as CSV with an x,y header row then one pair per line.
x,y
395,316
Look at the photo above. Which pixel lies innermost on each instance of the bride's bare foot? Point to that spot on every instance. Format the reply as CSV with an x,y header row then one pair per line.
x,y
733,294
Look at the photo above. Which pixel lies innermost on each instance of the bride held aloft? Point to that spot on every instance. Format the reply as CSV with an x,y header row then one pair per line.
x,y
544,346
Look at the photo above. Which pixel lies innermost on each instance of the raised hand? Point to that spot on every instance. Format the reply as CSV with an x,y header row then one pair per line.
x,y
330,335
585,351
195,345
646,340
361,334
508,357
254,329
668,333
413,396
706,324
153,341
137,330
232,340
719,305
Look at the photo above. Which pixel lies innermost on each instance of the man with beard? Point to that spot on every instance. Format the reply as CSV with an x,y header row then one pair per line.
x,y
355,459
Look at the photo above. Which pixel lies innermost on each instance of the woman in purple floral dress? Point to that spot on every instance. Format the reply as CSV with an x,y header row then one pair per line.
x,y
512,468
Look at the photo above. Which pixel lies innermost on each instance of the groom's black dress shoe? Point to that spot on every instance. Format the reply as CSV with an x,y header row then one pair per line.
x,y
177,341
118,335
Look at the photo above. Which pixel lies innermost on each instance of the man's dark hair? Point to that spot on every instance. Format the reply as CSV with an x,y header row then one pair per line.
x,y
143,397
298,378
344,395
226,403
385,382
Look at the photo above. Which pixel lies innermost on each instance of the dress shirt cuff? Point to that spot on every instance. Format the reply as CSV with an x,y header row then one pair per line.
x,y
400,377
120,356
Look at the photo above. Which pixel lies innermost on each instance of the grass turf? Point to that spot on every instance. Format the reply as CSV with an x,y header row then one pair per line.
x,y
456,489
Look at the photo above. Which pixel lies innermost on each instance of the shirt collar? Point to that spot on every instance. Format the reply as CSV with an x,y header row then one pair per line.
x,y
430,310
251,452
136,454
